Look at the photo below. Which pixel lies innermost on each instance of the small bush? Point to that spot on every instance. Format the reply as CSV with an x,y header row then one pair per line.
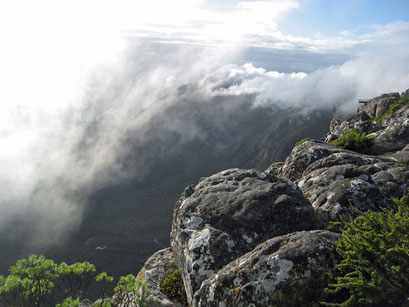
x,y
301,142
173,287
353,140
374,270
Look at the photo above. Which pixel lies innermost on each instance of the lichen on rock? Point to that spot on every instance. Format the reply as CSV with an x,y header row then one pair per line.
x,y
237,210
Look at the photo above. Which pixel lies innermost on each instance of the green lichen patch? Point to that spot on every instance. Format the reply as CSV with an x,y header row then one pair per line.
x,y
299,143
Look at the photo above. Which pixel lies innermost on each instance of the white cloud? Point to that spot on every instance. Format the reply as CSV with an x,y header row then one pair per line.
x,y
338,86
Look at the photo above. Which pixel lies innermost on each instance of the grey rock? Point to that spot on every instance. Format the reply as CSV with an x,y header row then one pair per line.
x,y
332,190
334,179
395,135
392,179
288,270
154,271
303,156
227,215
274,168
400,155
334,127
379,105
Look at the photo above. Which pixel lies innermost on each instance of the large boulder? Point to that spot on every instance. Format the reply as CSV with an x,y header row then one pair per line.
x,y
154,271
289,270
228,214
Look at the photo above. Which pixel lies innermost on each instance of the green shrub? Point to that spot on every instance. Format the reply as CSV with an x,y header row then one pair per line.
x,y
173,287
374,270
301,142
353,140
69,302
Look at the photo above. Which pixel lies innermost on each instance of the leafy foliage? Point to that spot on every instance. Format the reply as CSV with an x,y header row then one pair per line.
x,y
374,270
32,279
353,140
75,278
173,287
69,302
129,289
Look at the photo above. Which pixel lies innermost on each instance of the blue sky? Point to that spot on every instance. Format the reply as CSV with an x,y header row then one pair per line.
x,y
330,17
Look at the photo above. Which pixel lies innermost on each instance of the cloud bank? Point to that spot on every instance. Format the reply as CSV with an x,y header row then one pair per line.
x,y
338,86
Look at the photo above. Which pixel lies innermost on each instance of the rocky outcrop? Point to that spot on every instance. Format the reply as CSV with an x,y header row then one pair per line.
x,y
283,271
395,135
154,271
245,238
379,117
227,215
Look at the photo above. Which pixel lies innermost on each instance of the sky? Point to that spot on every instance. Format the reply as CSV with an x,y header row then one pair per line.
x,y
329,18
69,66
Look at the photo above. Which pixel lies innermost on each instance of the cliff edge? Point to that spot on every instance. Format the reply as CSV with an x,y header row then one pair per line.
x,y
253,238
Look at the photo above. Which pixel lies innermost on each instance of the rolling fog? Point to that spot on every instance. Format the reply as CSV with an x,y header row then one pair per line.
x,y
88,141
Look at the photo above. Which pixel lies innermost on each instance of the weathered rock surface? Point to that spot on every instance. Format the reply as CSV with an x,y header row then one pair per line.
x,y
402,155
288,270
227,215
154,271
333,179
304,155
395,136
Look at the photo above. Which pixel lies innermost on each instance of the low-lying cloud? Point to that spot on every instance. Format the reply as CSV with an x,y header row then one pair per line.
x,y
337,86
55,155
